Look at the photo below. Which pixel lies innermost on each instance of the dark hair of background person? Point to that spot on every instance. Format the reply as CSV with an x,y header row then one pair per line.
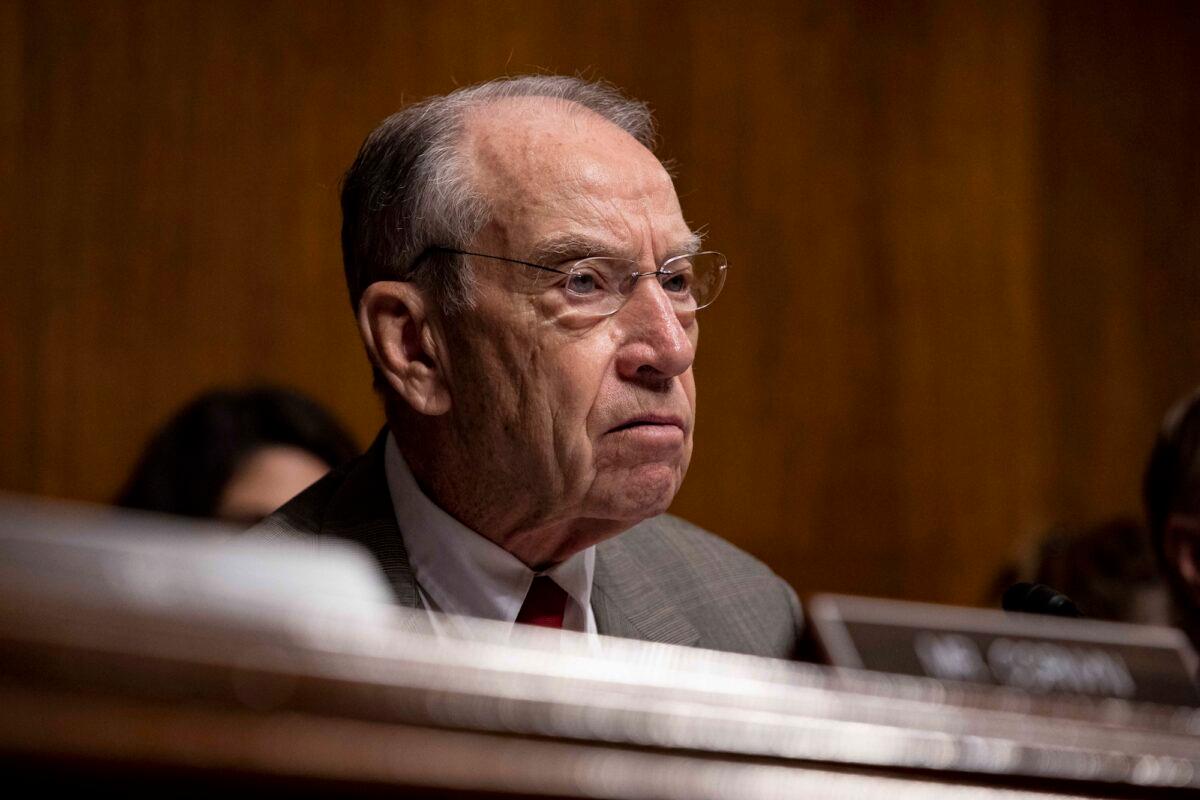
x,y
1172,485
1172,478
187,464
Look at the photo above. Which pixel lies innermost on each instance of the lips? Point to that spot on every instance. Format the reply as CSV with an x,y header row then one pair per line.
x,y
648,420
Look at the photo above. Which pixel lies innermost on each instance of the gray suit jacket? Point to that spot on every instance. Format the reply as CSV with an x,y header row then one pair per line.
x,y
664,580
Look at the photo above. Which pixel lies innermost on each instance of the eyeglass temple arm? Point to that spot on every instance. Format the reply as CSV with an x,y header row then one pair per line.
x,y
440,249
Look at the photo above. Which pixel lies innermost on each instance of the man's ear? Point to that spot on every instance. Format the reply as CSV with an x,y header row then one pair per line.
x,y
397,326
1181,545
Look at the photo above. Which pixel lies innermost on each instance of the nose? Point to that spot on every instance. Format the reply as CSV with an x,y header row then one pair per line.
x,y
656,344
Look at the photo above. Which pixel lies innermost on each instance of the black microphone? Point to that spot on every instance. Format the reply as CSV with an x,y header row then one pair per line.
x,y
1037,598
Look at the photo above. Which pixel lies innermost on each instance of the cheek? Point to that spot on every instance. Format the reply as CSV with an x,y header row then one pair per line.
x,y
539,393
579,413
688,381
497,367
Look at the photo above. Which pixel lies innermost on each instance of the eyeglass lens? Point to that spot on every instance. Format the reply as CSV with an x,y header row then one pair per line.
x,y
601,284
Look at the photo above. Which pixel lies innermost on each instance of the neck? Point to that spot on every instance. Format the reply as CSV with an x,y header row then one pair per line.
x,y
495,507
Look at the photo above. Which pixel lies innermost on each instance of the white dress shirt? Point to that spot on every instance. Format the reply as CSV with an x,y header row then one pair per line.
x,y
460,572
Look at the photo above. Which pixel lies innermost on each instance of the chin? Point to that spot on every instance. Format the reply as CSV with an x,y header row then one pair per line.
x,y
639,493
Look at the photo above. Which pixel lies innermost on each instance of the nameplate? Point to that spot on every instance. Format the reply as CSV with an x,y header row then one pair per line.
x,y
1031,652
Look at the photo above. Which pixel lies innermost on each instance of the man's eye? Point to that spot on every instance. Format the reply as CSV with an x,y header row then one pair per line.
x,y
679,282
582,283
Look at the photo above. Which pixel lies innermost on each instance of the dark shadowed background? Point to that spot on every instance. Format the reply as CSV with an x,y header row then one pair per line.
x,y
965,240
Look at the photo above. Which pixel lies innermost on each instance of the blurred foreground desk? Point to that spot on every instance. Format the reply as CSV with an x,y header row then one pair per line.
x,y
105,687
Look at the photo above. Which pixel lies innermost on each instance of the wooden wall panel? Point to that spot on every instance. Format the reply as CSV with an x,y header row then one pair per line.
x,y
1120,277
964,238
888,242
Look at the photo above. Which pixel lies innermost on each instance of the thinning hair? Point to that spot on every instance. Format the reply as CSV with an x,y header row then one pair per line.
x,y
409,190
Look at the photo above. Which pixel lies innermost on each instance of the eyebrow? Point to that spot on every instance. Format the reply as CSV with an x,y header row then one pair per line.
x,y
579,245
571,245
689,246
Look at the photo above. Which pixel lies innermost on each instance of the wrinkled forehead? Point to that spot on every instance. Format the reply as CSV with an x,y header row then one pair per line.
x,y
543,163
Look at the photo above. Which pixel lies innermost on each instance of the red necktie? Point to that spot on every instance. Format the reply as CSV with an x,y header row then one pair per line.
x,y
544,605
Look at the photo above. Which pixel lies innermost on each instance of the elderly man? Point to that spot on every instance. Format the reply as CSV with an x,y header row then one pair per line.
x,y
527,291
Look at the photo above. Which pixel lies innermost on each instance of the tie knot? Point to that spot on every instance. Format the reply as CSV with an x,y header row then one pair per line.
x,y
544,604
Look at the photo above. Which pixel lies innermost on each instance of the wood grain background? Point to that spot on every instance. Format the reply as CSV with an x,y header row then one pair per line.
x,y
965,238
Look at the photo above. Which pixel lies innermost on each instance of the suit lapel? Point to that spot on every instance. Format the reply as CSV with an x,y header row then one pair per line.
x,y
361,511
628,603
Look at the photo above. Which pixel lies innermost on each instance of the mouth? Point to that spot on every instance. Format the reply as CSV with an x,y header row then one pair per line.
x,y
649,421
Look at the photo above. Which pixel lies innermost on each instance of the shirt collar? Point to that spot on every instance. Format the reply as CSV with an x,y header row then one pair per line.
x,y
462,572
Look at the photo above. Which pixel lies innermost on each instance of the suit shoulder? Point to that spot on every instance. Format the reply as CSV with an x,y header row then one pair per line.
x,y
304,514
736,601
695,547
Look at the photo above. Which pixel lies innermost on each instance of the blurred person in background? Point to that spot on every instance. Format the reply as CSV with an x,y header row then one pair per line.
x,y
237,455
1171,492
1108,569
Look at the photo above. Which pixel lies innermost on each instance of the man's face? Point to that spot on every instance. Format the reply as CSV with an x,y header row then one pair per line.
x,y
579,421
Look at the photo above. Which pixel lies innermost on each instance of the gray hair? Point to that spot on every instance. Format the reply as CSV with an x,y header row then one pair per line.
x,y
409,191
